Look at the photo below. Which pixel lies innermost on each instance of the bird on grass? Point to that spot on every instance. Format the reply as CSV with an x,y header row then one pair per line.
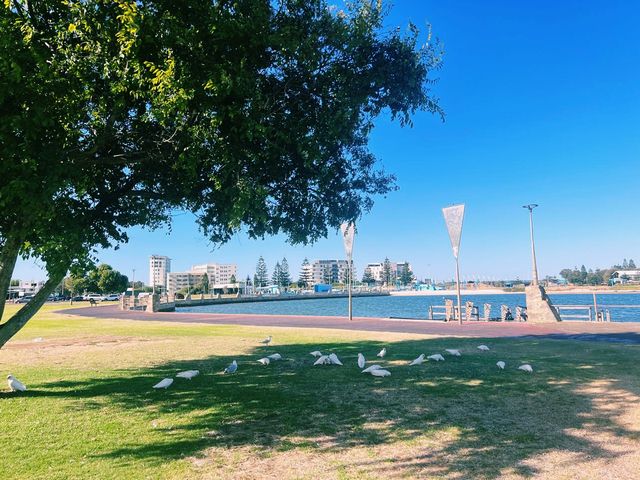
x,y
526,368
16,385
166,383
501,365
453,351
322,360
264,361
361,360
436,357
188,374
382,353
316,353
266,341
231,368
483,348
418,360
333,358
275,356
371,368
380,372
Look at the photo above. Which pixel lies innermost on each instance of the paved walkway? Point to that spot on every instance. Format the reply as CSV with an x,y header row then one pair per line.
x,y
618,332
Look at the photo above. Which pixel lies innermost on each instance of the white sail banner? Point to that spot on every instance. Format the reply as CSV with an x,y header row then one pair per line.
x,y
348,234
453,217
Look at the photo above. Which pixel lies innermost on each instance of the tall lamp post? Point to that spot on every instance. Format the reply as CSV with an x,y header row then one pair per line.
x,y
348,234
133,288
454,217
534,265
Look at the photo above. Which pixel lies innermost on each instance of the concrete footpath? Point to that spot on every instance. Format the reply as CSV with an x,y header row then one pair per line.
x,y
615,332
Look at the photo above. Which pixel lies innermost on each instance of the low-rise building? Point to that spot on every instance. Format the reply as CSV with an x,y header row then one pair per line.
x,y
625,276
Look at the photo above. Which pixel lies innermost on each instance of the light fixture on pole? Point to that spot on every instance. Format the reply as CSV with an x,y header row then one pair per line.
x,y
348,234
534,265
453,217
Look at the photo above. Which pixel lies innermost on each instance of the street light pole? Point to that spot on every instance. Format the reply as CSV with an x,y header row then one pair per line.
x,y
133,288
534,265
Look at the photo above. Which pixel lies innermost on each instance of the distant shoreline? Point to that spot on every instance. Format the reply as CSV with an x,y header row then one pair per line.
x,y
498,291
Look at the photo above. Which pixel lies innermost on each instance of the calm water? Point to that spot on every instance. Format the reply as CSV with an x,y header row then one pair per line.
x,y
417,307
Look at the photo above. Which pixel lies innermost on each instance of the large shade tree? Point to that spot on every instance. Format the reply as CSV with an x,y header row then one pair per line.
x,y
252,114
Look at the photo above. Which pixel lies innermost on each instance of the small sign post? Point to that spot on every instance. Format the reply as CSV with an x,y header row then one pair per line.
x,y
348,234
453,217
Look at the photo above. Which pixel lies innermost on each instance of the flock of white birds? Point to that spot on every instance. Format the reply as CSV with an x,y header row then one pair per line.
x,y
333,359
321,359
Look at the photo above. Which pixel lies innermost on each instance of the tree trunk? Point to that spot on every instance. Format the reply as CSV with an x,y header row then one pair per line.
x,y
22,316
8,257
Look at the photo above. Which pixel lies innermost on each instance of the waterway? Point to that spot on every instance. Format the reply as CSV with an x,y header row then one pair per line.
x,y
418,306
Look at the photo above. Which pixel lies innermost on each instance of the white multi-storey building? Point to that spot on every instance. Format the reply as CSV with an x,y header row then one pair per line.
x,y
181,280
218,273
218,276
329,271
159,268
376,270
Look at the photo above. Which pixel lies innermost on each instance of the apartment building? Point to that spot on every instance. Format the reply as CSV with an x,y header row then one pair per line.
x,y
159,268
218,276
329,271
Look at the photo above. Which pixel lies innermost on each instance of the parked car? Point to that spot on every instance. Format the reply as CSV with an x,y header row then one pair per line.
x,y
96,297
77,298
112,297
25,299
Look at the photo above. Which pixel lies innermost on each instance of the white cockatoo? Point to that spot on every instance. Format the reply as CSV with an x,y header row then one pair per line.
x,y
501,365
188,374
264,361
166,383
316,353
232,368
453,351
16,385
380,372
483,348
371,368
275,356
436,357
322,360
418,360
266,341
334,359
526,368
382,353
361,361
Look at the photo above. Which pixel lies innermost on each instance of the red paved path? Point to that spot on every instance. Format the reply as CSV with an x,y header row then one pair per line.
x,y
609,332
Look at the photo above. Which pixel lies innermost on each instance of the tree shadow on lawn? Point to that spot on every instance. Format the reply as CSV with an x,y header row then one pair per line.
x,y
484,420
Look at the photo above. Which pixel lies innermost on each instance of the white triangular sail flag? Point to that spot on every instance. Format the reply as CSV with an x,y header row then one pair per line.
x,y
348,234
453,217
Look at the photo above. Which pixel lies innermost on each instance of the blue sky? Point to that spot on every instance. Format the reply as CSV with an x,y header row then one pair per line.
x,y
542,104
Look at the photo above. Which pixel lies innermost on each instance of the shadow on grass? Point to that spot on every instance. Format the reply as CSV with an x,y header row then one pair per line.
x,y
485,421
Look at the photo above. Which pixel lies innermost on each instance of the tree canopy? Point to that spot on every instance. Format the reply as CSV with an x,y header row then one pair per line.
x,y
252,114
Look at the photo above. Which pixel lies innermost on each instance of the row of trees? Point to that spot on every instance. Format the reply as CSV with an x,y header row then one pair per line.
x,y
584,276
280,276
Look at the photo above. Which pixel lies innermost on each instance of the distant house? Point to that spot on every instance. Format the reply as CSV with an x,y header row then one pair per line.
x,y
625,276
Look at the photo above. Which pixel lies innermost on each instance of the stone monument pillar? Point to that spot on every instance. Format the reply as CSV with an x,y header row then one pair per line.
x,y
539,306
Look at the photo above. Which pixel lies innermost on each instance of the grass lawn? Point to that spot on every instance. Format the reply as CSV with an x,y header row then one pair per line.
x,y
90,411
